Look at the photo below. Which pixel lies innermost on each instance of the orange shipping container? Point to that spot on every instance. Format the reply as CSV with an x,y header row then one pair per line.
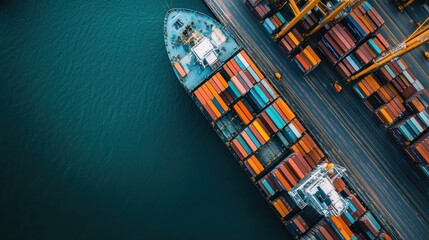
x,y
232,68
298,149
228,71
295,168
257,163
240,114
314,54
282,180
304,146
261,130
234,63
247,58
293,38
211,89
279,209
292,179
285,109
179,69
309,57
342,226
203,94
207,91
245,110
222,80
200,97
364,89
253,165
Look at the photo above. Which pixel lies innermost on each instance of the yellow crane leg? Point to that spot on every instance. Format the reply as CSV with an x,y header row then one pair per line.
x,y
294,7
419,37
409,46
296,19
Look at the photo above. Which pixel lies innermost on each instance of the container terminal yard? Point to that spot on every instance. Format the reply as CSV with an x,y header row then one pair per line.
x,y
387,180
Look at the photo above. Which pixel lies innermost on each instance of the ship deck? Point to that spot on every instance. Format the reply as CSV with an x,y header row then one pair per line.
x,y
175,23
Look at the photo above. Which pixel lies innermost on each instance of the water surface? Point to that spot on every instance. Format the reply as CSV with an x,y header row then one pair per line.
x,y
98,140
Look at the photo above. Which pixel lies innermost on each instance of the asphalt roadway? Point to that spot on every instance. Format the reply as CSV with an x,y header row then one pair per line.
x,y
379,170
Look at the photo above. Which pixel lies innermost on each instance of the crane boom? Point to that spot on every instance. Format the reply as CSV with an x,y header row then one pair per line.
x,y
404,5
416,39
298,16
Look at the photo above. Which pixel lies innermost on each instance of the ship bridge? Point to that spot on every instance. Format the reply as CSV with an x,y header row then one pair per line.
x,y
317,189
197,45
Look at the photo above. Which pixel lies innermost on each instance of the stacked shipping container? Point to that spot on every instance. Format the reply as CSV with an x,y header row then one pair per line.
x,y
389,112
264,134
384,92
337,43
274,23
272,20
409,129
362,56
344,37
259,8
419,153
291,41
307,60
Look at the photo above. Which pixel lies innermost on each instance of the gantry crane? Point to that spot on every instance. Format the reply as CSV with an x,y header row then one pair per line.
x,y
339,12
299,14
416,39
403,5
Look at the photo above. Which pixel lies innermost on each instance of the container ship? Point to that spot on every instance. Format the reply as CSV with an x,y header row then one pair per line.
x,y
309,194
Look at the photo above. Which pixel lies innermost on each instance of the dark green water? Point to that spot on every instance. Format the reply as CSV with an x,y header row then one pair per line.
x,y
98,140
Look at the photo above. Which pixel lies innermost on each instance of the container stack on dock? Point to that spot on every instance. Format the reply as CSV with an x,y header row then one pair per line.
x,y
412,132
292,43
361,57
399,102
396,98
307,60
418,151
274,23
269,142
388,91
260,8
339,44
351,45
